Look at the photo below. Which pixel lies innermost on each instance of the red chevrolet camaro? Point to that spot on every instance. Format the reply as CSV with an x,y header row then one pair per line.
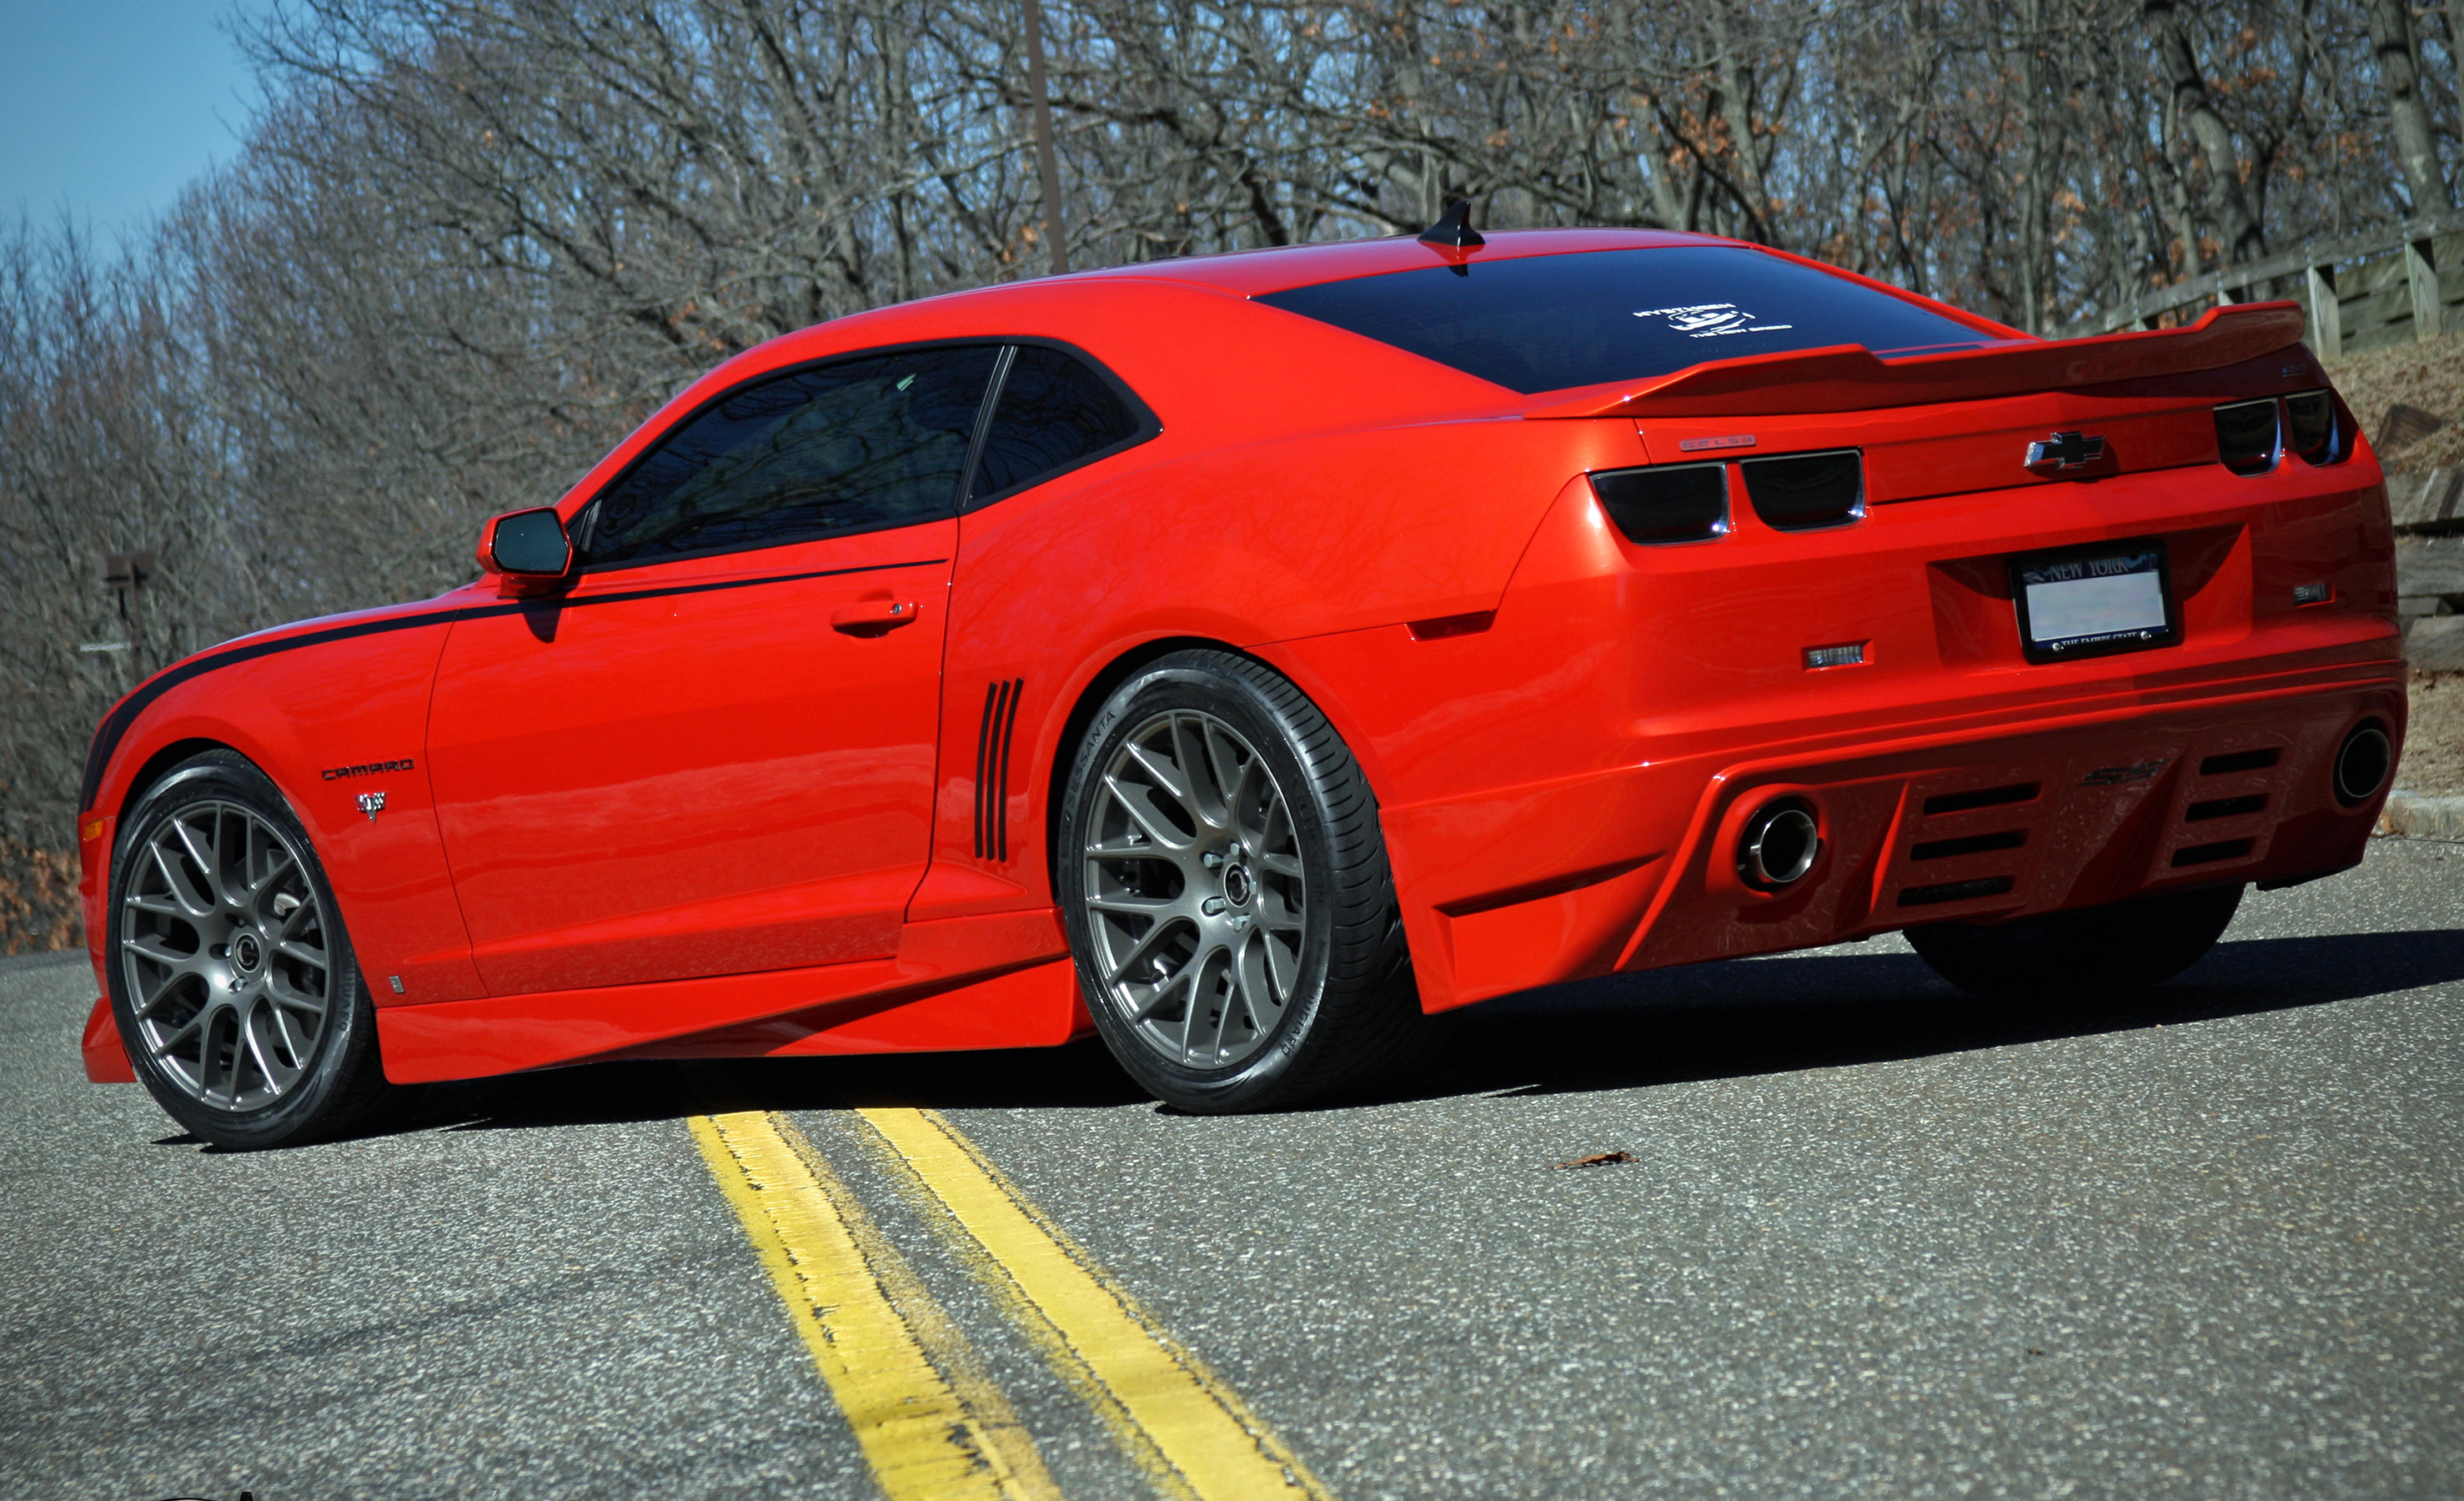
x,y
1246,658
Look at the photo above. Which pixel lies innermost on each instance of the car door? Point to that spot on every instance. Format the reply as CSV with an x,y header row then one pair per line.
x,y
714,752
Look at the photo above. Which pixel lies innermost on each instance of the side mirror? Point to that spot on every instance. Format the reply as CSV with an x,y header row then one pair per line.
x,y
526,546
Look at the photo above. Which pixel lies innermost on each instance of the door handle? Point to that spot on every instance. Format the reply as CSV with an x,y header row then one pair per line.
x,y
874,617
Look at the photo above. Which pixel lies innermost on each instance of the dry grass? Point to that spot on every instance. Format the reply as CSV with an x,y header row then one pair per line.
x,y
38,900
2434,743
2429,376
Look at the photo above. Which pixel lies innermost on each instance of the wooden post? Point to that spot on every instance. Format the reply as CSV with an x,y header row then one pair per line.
x,y
127,574
1047,166
2326,319
2421,274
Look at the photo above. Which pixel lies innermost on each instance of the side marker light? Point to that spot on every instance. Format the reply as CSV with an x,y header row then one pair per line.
x,y
92,829
1851,654
2313,593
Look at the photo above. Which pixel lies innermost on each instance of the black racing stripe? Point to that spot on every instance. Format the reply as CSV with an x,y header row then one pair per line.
x,y
116,724
726,583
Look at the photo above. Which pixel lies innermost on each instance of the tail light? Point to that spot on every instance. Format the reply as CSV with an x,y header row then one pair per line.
x,y
2310,426
2246,436
1673,503
1803,491
1689,503
2251,435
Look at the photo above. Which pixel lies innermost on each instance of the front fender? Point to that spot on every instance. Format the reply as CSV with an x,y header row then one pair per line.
x,y
327,712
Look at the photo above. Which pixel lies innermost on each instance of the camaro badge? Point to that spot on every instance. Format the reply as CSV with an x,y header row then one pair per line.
x,y
2065,450
367,768
372,803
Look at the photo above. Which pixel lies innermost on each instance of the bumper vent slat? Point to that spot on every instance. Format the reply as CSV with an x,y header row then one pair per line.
x,y
1985,797
1974,844
2238,761
1956,890
2210,854
2225,807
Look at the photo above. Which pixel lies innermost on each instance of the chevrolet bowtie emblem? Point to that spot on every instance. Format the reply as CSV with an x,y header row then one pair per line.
x,y
2065,450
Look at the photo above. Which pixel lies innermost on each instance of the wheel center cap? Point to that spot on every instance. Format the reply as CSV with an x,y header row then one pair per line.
x,y
1236,885
246,954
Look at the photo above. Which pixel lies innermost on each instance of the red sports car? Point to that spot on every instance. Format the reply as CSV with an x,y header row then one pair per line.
x,y
1246,658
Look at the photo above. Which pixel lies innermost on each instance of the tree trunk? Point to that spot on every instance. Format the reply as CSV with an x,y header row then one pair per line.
x,y
2243,238
2400,75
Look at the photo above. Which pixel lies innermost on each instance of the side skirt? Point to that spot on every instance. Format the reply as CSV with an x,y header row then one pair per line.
x,y
1001,979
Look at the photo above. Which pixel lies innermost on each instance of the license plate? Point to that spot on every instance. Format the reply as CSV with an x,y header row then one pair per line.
x,y
2094,601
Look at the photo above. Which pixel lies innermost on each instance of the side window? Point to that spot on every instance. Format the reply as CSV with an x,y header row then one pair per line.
x,y
1054,412
858,445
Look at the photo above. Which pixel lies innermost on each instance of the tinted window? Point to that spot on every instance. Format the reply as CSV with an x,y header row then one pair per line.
x,y
1548,321
854,446
1054,412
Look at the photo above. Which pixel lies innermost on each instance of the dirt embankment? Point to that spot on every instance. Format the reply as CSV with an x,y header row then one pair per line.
x,y
2429,377
2434,743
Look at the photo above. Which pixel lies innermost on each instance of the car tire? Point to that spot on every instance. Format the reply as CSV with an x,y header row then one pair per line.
x,y
1224,883
237,991
2084,955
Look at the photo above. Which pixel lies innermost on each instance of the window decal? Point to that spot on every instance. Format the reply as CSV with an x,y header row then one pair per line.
x,y
1712,319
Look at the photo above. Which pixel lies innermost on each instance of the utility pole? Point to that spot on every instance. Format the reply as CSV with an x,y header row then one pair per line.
x,y
1046,166
125,573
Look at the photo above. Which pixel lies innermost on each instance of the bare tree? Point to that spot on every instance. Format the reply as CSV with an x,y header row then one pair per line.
x,y
470,243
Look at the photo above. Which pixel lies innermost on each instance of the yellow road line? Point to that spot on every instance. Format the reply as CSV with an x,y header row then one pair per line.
x,y
1177,1420
931,1424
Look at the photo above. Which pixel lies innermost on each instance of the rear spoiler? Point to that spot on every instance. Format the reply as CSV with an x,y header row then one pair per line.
x,y
1851,378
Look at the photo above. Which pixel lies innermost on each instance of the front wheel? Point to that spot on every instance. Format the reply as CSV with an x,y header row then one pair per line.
x,y
2084,955
237,996
1225,886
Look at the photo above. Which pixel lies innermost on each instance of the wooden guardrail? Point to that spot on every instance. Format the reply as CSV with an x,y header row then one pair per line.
x,y
2360,292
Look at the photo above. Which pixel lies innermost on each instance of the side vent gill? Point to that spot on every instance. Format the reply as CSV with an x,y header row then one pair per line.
x,y
992,769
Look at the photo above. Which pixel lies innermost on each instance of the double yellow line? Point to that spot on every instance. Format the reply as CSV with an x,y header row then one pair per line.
x,y
931,1424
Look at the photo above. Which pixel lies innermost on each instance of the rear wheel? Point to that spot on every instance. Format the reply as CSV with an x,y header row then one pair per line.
x,y
1227,894
238,999
2086,953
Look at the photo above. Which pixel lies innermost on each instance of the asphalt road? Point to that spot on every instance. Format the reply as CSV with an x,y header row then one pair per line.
x,y
1875,1240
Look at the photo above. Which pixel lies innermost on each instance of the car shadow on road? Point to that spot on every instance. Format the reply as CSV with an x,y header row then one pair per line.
x,y
1779,1015
1837,1009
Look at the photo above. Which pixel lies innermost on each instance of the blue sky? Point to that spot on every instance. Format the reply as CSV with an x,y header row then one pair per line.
x,y
107,107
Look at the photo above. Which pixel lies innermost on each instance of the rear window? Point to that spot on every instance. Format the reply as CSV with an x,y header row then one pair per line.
x,y
1545,323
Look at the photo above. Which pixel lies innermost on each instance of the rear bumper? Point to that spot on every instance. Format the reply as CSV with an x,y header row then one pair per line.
x,y
2062,810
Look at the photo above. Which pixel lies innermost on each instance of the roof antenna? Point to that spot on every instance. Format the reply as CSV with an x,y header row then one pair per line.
x,y
1452,229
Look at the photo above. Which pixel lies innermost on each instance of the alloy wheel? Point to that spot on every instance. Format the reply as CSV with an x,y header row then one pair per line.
x,y
224,949
1194,892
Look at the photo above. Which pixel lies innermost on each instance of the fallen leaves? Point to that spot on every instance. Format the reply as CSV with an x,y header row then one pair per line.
x,y
1602,1159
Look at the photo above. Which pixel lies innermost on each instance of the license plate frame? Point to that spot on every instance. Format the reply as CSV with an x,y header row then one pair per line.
x,y
2119,618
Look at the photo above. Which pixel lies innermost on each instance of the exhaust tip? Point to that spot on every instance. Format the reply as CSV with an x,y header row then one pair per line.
x,y
1778,845
2361,764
